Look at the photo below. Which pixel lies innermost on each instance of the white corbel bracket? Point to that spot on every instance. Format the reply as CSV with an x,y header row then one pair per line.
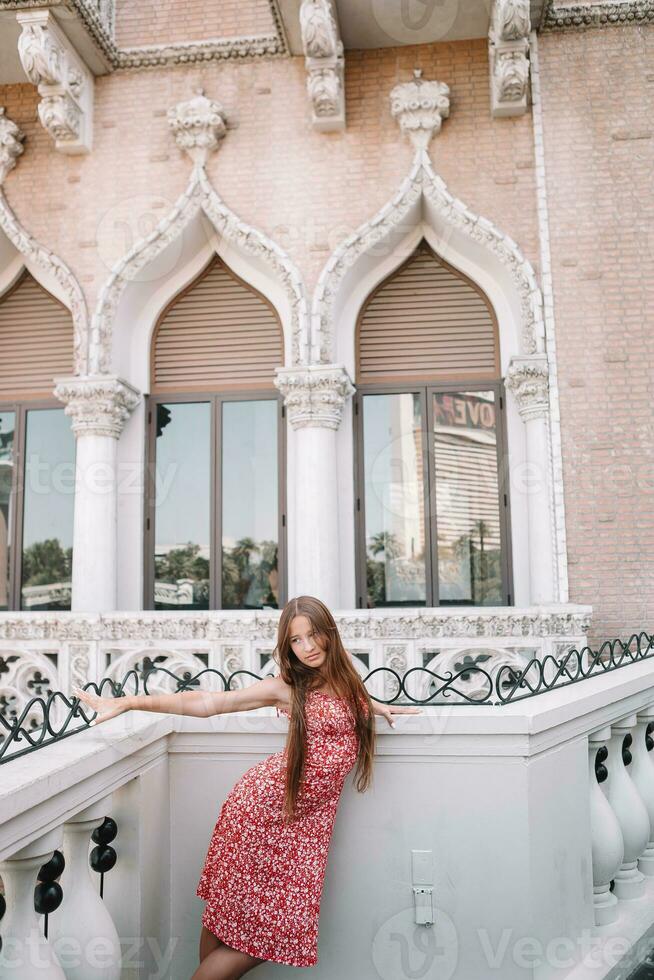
x,y
64,82
325,64
508,49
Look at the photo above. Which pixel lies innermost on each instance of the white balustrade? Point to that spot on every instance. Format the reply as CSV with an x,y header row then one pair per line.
x,y
83,921
26,954
642,773
606,837
630,811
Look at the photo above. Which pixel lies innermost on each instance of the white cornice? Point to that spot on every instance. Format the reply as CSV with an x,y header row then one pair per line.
x,y
577,16
241,47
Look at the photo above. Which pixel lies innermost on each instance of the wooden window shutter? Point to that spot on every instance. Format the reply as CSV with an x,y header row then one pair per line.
x,y
426,321
36,341
218,333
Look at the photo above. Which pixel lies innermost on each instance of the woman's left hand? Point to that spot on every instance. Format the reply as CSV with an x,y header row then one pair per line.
x,y
388,710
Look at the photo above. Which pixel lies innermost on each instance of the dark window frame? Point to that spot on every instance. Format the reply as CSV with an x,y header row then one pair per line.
x,y
216,399
20,407
424,390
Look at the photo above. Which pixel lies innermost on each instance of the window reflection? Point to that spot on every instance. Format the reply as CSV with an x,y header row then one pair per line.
x,y
394,503
182,501
250,574
467,499
48,503
7,430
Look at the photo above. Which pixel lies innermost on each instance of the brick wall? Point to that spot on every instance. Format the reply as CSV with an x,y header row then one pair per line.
x,y
598,106
155,22
307,190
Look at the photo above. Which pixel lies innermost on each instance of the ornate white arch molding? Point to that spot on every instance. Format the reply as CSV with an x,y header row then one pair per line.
x,y
463,238
198,126
51,271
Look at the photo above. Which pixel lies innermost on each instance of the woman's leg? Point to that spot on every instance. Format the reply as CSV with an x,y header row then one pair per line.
x,y
208,942
225,963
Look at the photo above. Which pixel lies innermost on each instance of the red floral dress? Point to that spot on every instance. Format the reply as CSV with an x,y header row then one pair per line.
x,y
262,879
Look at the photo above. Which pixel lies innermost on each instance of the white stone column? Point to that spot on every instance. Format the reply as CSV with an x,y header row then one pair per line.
x,y
26,953
607,846
314,396
99,406
630,811
527,379
83,916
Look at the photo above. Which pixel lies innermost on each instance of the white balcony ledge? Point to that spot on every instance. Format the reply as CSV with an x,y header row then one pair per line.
x,y
500,794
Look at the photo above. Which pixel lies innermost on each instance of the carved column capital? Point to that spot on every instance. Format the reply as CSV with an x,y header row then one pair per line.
x,y
11,144
508,47
98,405
198,126
324,61
314,395
527,378
64,82
420,107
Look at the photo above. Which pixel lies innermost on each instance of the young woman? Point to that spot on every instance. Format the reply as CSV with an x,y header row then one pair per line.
x,y
263,874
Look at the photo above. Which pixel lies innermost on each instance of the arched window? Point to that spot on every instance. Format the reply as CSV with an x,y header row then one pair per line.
x,y
215,521
432,504
37,450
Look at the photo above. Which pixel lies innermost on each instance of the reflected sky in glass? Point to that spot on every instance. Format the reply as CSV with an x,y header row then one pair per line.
x,y
48,508
49,478
183,461
250,516
7,428
394,501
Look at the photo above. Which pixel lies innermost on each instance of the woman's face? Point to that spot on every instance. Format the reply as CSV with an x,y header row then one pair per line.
x,y
307,645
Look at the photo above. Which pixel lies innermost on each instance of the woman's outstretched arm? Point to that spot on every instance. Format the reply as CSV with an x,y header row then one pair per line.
x,y
197,704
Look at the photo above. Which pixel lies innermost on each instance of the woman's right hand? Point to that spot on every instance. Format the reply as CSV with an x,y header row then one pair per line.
x,y
106,707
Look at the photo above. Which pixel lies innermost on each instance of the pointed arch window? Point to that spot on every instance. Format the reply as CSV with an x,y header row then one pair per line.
x,y
431,496
215,514
37,450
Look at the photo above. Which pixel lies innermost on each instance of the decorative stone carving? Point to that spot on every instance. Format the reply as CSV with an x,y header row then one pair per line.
x,y
395,658
508,47
423,182
527,378
97,405
314,395
11,144
324,61
198,126
64,82
199,196
178,662
79,664
319,30
420,107
11,148
25,674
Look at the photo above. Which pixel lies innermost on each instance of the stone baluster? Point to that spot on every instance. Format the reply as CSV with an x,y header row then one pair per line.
x,y
630,811
26,953
642,773
83,916
607,846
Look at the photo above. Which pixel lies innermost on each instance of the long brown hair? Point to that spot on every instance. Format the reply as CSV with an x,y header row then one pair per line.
x,y
340,675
